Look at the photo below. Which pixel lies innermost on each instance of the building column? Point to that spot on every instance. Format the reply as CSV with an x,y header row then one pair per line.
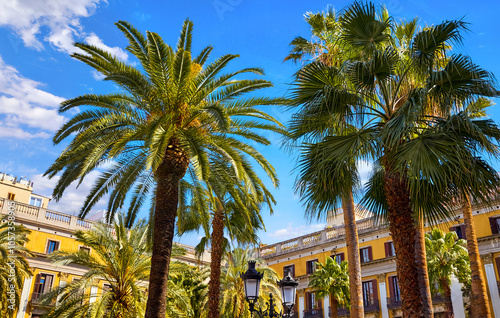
x,y
457,299
383,295
301,303
25,295
326,306
492,283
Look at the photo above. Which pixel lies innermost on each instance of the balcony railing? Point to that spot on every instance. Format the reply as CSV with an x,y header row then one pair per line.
x,y
341,311
37,299
436,299
313,313
393,302
372,306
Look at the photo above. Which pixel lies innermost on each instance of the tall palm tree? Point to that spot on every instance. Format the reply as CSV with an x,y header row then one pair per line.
x,y
120,257
309,125
446,257
173,112
469,175
235,207
332,279
387,92
14,266
233,290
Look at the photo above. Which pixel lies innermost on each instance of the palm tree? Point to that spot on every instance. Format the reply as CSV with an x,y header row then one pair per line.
x,y
309,125
233,290
469,175
332,279
14,266
174,112
389,93
235,206
188,291
446,257
120,258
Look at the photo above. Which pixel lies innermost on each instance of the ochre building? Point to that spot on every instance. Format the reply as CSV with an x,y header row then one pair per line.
x,y
51,231
381,295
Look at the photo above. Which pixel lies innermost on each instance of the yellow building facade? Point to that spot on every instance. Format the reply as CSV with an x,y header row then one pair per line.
x,y
378,265
51,231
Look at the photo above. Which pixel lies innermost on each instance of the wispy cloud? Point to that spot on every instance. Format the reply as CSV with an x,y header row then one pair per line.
x,y
292,230
26,107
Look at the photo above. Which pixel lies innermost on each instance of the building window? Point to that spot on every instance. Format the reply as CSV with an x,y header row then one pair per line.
x,y
338,258
106,288
389,249
495,224
370,293
11,196
365,254
312,302
394,291
36,201
84,249
43,284
52,246
311,266
289,268
460,230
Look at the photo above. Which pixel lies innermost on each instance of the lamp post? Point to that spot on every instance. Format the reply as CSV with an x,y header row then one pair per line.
x,y
251,279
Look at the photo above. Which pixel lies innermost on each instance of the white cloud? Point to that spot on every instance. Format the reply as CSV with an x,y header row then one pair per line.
x,y
23,104
93,39
293,231
73,197
28,18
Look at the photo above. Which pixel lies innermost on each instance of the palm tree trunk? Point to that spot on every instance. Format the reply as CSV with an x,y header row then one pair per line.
x,y
479,297
403,232
215,263
447,298
168,175
351,238
334,306
423,276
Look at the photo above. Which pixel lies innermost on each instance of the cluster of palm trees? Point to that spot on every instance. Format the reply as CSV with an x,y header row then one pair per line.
x,y
180,133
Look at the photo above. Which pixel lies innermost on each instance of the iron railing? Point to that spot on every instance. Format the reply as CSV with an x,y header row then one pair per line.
x,y
313,313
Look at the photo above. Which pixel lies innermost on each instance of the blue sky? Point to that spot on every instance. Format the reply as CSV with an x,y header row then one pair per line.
x,y
37,73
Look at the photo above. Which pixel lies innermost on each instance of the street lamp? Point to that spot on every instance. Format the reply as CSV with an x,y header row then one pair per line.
x,y
251,279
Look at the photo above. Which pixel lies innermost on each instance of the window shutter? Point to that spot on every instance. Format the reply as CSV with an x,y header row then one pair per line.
x,y
493,225
497,261
370,255
293,270
342,257
308,300
391,287
375,291
387,249
320,303
464,235
48,283
37,284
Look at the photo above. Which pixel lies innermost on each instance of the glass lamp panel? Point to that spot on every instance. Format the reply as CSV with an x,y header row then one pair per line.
x,y
252,288
288,293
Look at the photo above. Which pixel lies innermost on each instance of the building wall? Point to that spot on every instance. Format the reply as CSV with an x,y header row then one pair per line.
x,y
296,252
48,225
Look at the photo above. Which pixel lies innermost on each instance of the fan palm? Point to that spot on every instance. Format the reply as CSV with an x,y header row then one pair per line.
x,y
235,206
14,266
173,113
322,191
233,290
469,175
332,279
446,257
389,93
120,257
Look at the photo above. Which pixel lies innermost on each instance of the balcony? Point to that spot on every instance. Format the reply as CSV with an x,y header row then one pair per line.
x,y
372,306
393,303
341,311
37,300
313,313
437,299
